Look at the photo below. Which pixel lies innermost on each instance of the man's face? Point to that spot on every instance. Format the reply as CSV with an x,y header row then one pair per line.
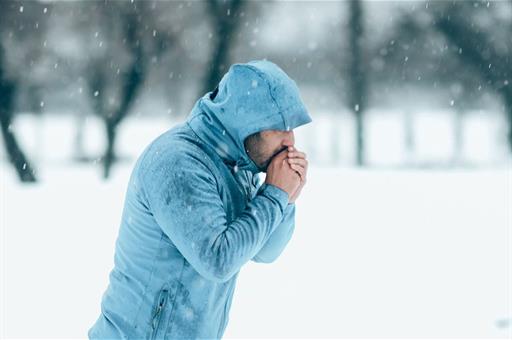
x,y
264,145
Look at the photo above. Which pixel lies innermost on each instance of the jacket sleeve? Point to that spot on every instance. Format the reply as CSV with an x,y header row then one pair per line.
x,y
279,237
182,194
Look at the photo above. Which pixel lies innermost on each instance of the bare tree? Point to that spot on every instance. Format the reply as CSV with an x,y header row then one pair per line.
x,y
225,16
16,155
417,47
116,76
486,50
131,81
21,30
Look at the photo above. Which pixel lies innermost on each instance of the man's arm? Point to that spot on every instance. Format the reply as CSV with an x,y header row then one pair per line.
x,y
279,237
182,194
283,233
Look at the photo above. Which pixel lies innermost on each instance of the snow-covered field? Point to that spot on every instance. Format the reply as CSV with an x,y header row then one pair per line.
x,y
376,252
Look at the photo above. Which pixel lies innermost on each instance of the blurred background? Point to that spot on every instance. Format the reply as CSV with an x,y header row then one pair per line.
x,y
404,228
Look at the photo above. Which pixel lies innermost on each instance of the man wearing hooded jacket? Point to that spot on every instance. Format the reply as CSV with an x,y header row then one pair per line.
x,y
195,211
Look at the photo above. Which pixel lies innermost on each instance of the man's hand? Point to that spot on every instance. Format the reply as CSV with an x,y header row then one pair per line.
x,y
281,174
299,163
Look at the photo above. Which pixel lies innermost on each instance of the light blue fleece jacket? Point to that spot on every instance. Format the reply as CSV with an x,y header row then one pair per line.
x,y
195,212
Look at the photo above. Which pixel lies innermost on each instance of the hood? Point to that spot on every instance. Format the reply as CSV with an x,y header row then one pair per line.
x,y
250,97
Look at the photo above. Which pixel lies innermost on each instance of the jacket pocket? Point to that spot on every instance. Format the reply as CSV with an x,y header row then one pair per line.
x,y
158,311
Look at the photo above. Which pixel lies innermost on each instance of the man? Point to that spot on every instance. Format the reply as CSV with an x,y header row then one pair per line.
x,y
195,212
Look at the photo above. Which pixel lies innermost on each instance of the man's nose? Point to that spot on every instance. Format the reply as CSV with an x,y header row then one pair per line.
x,y
289,139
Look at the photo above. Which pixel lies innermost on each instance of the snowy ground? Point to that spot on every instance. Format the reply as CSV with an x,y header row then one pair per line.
x,y
376,253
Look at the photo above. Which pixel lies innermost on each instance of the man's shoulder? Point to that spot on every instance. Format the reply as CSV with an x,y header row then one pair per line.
x,y
176,147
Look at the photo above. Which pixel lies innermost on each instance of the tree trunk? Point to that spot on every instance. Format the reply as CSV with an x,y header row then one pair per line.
x,y
108,157
132,83
357,75
15,154
218,63
507,96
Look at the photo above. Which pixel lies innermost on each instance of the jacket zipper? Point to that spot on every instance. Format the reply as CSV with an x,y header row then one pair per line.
x,y
155,323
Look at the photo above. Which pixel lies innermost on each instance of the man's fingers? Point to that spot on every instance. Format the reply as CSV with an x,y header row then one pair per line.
x,y
299,161
296,153
300,170
281,154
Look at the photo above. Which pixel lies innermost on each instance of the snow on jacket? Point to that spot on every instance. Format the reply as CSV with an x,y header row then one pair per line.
x,y
195,212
